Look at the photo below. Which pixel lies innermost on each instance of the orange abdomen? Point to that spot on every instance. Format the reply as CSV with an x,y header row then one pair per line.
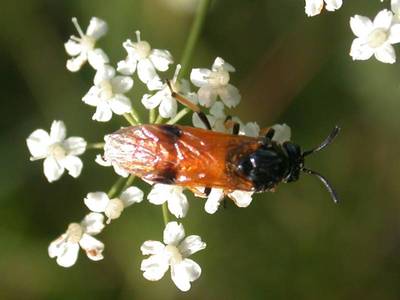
x,y
181,155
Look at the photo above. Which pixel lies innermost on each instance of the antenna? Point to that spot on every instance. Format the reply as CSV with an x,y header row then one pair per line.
x,y
328,186
325,143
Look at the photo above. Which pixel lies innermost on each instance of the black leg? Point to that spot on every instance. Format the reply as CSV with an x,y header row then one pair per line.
x,y
204,119
270,133
207,191
236,126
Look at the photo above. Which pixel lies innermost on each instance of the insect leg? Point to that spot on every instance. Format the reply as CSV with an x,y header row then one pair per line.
x,y
191,105
232,124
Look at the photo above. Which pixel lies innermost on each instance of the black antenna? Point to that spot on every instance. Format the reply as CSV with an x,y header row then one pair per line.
x,y
325,143
328,186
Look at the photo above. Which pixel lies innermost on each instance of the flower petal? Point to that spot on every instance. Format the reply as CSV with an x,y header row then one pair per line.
x,y
191,245
131,195
332,5
152,247
313,7
214,199
250,129
152,101
207,95
146,70
199,77
185,272
93,223
52,169
68,254
241,198
173,233
56,247
127,66
97,28
75,64
361,26
197,122
386,54
394,34
383,19
178,204
282,133
75,145
103,112
121,84
97,58
159,193
220,64
93,247
92,97
120,104
57,132
168,107
161,59
97,201
72,47
73,164
217,110
360,50
102,162
104,73
38,144
154,267
395,6
229,95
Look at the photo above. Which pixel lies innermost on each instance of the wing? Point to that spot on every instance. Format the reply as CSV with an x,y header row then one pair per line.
x,y
180,155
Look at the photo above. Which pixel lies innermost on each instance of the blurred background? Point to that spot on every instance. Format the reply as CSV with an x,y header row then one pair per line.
x,y
291,244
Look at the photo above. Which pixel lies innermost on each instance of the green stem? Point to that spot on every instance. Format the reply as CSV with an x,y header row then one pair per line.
x,y
183,112
159,120
165,213
193,37
136,116
129,182
130,120
116,187
152,115
95,146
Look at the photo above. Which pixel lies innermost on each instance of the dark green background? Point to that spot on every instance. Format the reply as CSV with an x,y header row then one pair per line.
x,y
292,244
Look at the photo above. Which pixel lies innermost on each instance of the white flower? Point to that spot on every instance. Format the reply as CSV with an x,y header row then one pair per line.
x,y
243,198
58,152
173,254
167,105
66,247
107,94
395,6
216,118
145,59
375,38
214,83
314,7
106,163
83,49
282,133
112,208
177,202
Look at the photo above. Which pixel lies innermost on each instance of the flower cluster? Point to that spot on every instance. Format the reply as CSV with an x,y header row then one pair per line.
x,y
373,37
110,96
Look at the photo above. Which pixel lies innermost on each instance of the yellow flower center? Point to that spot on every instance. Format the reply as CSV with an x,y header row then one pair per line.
x,y
57,151
143,49
113,209
377,37
74,232
174,255
219,78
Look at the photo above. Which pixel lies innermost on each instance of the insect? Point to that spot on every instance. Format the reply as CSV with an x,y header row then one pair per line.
x,y
198,158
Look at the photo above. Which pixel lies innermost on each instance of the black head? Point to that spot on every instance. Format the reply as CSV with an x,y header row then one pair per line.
x,y
296,159
273,163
